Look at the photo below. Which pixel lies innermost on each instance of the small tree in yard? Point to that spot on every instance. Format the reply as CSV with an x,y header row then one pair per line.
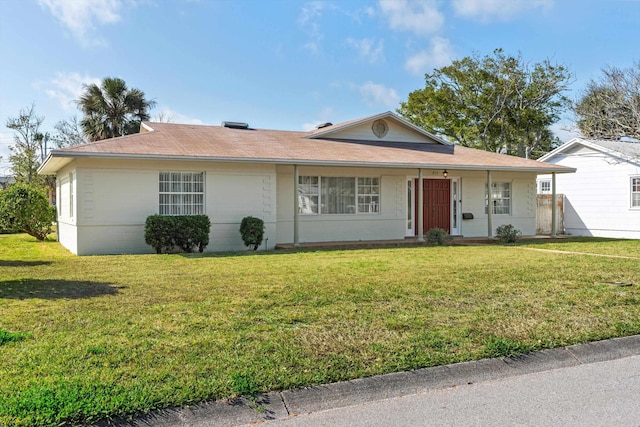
x,y
24,208
252,231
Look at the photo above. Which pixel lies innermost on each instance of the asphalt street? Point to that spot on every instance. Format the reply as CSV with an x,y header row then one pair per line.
x,y
594,384
596,394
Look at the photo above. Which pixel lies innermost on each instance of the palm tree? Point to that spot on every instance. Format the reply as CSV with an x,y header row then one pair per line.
x,y
112,109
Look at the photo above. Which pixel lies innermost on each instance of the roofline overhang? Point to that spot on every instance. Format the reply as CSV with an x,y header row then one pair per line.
x,y
302,162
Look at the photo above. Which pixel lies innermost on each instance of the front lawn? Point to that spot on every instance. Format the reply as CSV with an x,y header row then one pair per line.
x,y
105,336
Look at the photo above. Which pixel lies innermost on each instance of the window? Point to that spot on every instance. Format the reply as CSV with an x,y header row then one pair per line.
x,y
308,194
181,193
368,195
501,198
545,186
338,195
635,192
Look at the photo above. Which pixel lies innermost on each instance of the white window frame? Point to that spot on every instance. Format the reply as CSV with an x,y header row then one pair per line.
x,y
71,195
181,193
542,184
634,189
366,192
498,198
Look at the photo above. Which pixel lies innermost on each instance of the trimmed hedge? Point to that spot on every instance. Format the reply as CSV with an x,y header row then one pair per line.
x,y
252,231
187,232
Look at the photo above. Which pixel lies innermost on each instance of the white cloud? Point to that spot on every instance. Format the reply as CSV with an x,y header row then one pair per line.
x,y
439,54
81,17
67,88
370,49
488,10
310,14
168,115
417,16
377,94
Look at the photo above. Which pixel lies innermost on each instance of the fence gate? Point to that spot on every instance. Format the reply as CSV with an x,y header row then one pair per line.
x,y
543,214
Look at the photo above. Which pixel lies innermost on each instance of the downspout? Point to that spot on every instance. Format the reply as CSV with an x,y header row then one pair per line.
x,y
489,207
553,205
296,207
420,224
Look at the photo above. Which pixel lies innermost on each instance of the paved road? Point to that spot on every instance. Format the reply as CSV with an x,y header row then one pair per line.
x,y
595,394
594,384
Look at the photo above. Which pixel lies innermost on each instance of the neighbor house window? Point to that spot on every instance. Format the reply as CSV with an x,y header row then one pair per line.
x,y
545,186
501,198
181,193
338,195
635,192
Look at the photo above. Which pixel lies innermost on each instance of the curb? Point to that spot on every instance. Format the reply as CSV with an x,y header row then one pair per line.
x,y
281,405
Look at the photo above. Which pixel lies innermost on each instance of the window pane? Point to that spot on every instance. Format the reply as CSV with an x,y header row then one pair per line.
x,y
308,194
500,198
368,195
338,195
180,194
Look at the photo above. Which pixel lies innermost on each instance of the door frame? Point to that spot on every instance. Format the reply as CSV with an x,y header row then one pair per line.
x,y
455,197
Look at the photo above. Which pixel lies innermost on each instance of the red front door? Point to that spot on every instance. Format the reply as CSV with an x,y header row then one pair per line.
x,y
436,204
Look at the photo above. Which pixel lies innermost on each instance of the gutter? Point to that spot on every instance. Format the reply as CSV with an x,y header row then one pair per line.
x,y
282,161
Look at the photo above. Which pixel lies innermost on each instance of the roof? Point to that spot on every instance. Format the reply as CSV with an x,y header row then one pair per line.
x,y
319,147
626,149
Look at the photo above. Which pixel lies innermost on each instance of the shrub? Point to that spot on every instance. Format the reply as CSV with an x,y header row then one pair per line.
x,y
252,231
508,234
26,209
187,232
437,236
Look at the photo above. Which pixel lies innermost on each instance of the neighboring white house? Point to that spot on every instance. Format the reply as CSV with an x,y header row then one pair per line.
x,y
345,182
603,197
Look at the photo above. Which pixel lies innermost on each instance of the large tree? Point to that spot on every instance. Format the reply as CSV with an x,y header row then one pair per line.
x,y
496,103
112,109
28,149
610,106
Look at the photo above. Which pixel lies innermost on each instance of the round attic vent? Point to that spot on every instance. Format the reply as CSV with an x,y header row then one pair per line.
x,y
380,128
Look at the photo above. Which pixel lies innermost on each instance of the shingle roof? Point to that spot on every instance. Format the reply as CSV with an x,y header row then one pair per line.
x,y
197,142
630,150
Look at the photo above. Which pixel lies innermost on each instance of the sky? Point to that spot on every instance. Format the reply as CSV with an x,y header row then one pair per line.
x,y
287,64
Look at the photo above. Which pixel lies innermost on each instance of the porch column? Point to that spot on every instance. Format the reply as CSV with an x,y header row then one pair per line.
x,y
296,207
554,205
420,224
489,207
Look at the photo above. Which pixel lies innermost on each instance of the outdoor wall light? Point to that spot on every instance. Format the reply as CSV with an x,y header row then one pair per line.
x,y
445,173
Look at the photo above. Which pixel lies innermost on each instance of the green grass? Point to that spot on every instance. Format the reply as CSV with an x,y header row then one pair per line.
x,y
110,336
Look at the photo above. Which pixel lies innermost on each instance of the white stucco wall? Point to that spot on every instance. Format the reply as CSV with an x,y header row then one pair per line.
x,y
598,195
523,202
114,199
391,222
386,225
